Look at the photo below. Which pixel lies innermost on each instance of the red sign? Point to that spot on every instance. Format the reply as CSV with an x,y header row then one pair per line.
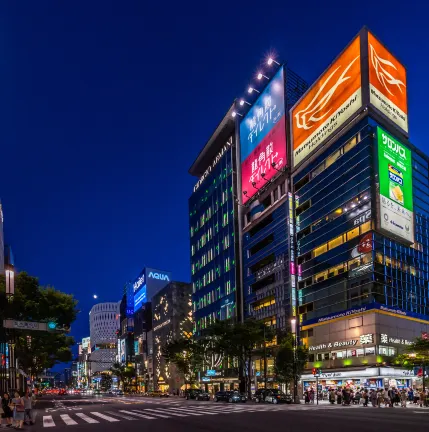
x,y
425,335
257,168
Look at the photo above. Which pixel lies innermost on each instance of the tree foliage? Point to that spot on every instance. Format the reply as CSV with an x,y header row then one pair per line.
x,y
187,355
415,355
106,381
290,361
125,374
35,350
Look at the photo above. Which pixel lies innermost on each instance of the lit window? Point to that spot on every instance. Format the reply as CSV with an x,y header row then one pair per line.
x,y
365,227
320,250
350,144
331,159
352,233
335,242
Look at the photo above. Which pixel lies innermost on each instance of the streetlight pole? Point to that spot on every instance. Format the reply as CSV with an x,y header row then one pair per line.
x,y
265,360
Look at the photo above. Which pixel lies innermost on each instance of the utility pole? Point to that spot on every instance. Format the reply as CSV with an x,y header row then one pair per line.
x,y
265,360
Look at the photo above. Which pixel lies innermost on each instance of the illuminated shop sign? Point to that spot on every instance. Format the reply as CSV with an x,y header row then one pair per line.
x,y
363,340
384,338
159,276
138,283
216,160
161,325
139,298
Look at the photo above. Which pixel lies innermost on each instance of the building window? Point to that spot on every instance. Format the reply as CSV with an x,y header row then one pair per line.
x,y
352,233
338,241
320,250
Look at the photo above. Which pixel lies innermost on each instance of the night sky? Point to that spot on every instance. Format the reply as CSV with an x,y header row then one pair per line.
x,y
106,104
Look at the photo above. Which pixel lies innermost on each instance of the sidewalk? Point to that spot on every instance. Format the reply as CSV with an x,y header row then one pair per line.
x,y
326,404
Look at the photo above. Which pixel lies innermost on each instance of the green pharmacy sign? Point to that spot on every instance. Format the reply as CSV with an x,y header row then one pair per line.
x,y
395,174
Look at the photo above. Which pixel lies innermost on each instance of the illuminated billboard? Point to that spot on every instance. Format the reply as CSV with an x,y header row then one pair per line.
x,y
387,83
328,104
395,175
263,138
140,298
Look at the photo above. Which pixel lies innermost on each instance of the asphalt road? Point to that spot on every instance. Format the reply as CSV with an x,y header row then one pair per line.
x,y
90,413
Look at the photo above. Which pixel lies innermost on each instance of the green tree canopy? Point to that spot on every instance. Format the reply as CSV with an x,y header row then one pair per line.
x,y
35,350
124,373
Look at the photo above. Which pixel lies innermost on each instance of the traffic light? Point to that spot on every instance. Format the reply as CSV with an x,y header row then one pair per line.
x,y
319,371
314,371
52,325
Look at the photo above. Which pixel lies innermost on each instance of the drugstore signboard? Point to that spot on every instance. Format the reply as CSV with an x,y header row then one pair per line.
x,y
396,216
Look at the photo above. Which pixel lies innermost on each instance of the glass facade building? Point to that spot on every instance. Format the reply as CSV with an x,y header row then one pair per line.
x,y
213,232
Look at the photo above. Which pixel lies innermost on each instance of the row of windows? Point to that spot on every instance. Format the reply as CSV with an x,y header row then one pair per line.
x,y
226,312
327,162
266,303
210,254
338,241
211,275
213,296
350,353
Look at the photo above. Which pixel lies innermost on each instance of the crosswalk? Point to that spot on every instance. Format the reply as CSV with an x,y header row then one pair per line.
x,y
155,413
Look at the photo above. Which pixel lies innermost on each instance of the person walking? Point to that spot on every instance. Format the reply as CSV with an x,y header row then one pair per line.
x,y
339,396
7,412
410,395
18,410
332,396
422,399
373,398
312,396
404,396
365,398
28,406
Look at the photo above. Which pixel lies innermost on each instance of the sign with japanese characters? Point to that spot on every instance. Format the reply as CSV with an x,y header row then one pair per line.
x,y
395,174
263,138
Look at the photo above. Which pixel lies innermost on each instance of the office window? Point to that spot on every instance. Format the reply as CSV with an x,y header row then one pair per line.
x,y
352,233
337,241
350,144
365,227
331,159
320,250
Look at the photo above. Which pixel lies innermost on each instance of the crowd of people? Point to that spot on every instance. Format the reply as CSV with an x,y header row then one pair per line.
x,y
377,398
17,410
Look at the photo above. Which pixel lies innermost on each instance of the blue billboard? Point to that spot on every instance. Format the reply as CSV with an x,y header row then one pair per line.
x,y
140,298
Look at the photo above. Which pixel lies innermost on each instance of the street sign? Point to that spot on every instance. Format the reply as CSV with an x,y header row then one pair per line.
x,y
25,325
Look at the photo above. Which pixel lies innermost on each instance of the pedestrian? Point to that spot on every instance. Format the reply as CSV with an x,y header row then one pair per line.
x,y
365,398
28,406
312,396
18,410
379,398
307,396
339,396
404,396
410,395
7,412
392,396
386,397
422,399
373,398
332,396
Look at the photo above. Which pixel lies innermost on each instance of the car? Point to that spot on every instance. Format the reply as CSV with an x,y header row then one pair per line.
x,y
97,392
158,393
221,396
192,393
203,396
276,396
260,394
235,396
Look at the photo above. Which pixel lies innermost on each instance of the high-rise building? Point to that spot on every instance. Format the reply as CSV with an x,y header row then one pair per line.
x,y
213,228
171,320
103,325
360,194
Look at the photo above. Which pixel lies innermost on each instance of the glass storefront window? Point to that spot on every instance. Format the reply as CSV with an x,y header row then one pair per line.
x,y
360,352
370,351
383,350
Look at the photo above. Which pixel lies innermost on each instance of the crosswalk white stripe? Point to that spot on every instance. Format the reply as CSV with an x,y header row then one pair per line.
x,y
186,411
163,410
200,411
138,415
153,412
68,420
86,418
104,417
120,415
48,421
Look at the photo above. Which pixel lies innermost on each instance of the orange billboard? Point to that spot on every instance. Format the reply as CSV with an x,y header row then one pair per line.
x,y
387,83
329,103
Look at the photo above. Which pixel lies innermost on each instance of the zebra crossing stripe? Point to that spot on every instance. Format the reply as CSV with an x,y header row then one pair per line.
x,y
166,412
120,415
86,418
181,410
199,411
138,415
68,420
48,421
153,412
105,417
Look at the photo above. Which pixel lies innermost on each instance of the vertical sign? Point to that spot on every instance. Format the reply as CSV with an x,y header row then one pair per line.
x,y
387,83
396,187
263,138
292,268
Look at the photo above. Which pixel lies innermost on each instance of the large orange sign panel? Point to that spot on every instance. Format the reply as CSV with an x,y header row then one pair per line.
x,y
387,83
332,100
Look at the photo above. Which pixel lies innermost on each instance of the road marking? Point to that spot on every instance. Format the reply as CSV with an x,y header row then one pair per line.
x,y
120,415
48,421
199,411
104,417
163,410
86,418
421,412
154,412
138,415
183,410
68,420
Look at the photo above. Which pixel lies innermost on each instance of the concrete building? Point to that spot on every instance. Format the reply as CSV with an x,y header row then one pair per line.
x,y
103,324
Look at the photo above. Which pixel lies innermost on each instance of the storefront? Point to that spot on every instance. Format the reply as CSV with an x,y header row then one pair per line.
x,y
213,381
369,378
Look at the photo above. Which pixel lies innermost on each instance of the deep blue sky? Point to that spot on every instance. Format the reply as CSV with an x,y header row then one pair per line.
x,y
105,105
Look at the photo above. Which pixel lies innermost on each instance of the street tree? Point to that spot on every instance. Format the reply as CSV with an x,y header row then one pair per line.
x,y
415,355
124,373
106,381
290,361
243,341
34,350
188,357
